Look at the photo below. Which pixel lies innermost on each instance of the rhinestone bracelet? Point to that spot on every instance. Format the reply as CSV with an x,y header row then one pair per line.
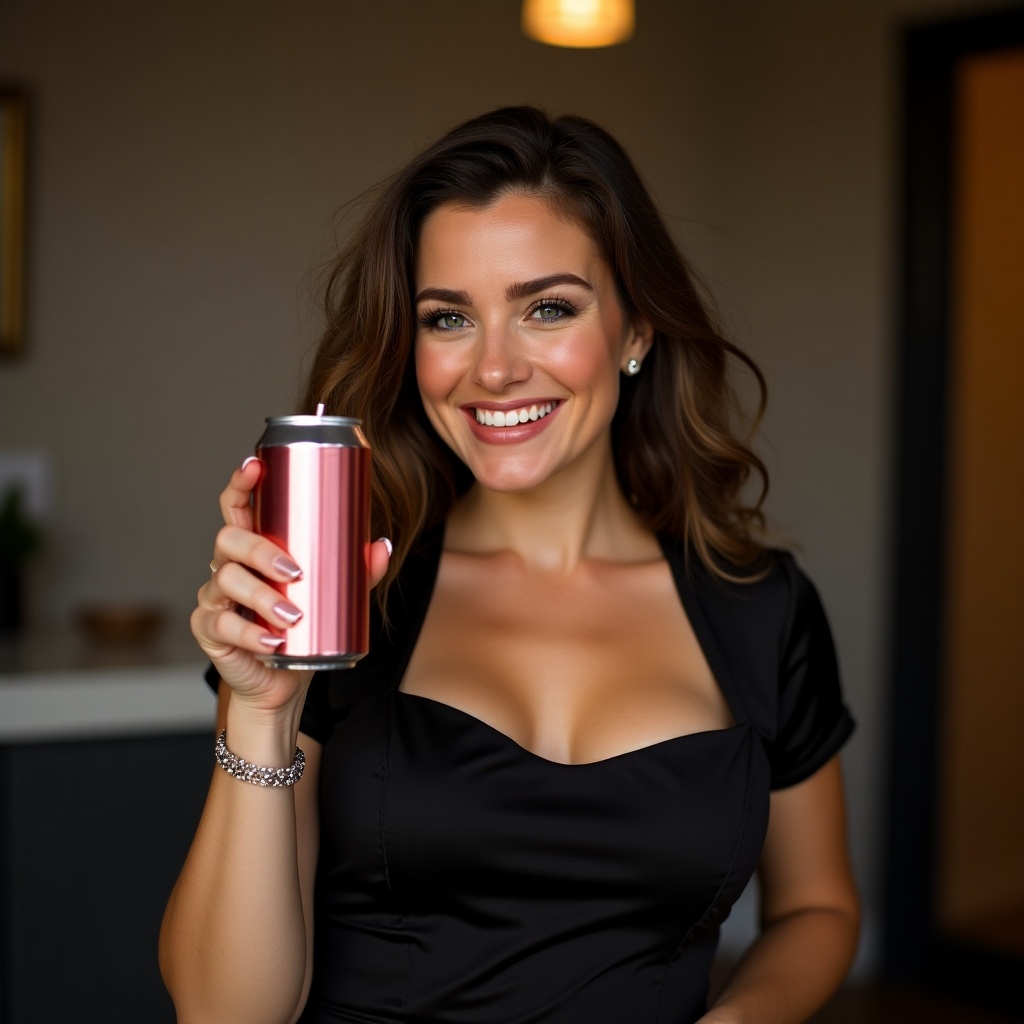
x,y
255,773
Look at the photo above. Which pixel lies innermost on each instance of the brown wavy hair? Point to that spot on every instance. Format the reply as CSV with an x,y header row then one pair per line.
x,y
681,449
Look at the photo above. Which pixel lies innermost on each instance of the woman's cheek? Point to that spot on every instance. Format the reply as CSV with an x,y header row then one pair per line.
x,y
437,370
583,364
436,376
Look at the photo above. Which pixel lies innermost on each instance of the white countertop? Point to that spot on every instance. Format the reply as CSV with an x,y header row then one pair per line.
x,y
59,688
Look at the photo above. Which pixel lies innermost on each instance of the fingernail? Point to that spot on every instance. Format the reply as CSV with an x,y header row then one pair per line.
x,y
284,564
271,641
386,544
252,458
287,611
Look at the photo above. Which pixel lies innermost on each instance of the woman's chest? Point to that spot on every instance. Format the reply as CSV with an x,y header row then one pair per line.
x,y
574,669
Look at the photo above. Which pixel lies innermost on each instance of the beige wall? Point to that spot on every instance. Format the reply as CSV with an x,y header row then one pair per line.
x,y
186,159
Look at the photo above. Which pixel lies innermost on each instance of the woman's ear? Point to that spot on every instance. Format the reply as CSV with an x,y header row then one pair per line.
x,y
639,342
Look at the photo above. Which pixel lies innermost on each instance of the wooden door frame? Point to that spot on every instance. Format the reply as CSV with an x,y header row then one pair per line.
x,y
914,950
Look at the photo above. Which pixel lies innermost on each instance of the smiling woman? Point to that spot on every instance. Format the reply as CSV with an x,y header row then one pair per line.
x,y
535,323
684,404
594,701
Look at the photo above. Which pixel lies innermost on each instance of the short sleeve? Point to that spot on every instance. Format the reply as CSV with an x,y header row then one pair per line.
x,y
812,719
316,718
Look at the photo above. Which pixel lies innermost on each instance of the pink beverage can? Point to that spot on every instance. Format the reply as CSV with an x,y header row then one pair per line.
x,y
313,500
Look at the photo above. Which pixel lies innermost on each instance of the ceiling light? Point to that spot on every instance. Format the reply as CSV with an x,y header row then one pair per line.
x,y
579,22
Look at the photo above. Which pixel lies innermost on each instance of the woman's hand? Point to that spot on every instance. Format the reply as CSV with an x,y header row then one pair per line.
x,y
222,621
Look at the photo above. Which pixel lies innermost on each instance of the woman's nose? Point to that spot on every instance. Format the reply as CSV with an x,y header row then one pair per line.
x,y
499,360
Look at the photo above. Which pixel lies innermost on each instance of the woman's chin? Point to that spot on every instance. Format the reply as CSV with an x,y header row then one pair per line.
x,y
510,478
507,485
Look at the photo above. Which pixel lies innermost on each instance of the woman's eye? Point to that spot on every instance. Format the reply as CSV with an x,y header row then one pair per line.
x,y
549,311
444,320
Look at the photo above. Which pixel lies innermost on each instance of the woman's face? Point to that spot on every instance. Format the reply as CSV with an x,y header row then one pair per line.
x,y
521,340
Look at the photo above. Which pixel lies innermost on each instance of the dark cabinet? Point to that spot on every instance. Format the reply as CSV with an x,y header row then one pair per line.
x,y
92,836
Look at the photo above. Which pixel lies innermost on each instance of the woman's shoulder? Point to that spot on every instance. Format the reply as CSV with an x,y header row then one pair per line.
x,y
770,645
771,587
757,617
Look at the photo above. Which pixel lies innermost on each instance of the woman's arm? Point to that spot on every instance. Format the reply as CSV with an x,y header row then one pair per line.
x,y
236,939
810,913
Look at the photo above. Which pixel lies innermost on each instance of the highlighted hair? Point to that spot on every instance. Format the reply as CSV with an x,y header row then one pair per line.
x,y
682,447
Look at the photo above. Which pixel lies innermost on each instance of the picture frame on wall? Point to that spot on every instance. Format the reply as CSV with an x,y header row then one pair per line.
x,y
13,132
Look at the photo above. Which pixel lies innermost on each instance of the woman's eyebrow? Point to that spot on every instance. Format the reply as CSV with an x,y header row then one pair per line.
x,y
521,289
444,295
518,290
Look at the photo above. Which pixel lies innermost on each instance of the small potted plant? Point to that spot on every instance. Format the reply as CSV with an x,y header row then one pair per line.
x,y
20,540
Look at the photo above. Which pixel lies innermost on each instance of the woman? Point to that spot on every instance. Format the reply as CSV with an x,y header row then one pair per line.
x,y
594,701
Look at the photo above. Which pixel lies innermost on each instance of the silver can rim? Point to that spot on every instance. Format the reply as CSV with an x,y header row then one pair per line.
x,y
309,420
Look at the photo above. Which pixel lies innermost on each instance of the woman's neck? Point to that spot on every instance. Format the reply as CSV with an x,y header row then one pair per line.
x,y
580,513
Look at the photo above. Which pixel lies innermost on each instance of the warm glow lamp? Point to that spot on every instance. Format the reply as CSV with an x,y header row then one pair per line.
x,y
579,22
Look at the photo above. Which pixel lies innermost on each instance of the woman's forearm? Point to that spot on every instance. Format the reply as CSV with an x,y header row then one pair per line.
x,y
233,940
790,971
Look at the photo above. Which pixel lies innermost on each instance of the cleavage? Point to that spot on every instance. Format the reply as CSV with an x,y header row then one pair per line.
x,y
574,670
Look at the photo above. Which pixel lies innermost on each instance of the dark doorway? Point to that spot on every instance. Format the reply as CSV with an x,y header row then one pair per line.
x,y
955,888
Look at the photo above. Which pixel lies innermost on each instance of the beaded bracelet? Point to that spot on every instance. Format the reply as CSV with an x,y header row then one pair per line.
x,y
255,773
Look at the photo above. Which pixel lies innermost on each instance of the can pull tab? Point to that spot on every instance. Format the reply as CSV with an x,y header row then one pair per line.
x,y
320,409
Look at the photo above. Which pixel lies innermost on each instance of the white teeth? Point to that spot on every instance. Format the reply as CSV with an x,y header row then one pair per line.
x,y
513,417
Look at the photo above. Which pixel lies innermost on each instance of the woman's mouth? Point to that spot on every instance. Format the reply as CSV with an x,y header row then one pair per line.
x,y
514,424
513,417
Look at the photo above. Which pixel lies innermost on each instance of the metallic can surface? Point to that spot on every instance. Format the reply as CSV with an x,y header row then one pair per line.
x,y
313,500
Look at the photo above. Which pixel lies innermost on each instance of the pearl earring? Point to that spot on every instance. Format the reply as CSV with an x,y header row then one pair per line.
x,y
633,367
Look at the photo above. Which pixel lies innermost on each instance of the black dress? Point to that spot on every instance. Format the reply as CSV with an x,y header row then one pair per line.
x,y
462,878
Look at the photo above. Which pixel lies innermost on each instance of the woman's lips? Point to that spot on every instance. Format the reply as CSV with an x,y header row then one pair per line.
x,y
512,422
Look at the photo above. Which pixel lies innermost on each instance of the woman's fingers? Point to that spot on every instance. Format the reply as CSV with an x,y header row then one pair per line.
x,y
244,567
234,585
235,498
238,544
221,631
233,642
380,555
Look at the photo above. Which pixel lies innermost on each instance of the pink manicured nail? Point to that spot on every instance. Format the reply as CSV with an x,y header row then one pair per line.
x,y
252,458
271,641
287,611
284,564
386,544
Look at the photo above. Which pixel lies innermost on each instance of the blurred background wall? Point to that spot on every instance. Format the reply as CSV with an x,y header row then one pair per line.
x,y
187,158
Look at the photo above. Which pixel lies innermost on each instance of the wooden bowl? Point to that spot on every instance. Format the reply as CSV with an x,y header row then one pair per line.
x,y
121,623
